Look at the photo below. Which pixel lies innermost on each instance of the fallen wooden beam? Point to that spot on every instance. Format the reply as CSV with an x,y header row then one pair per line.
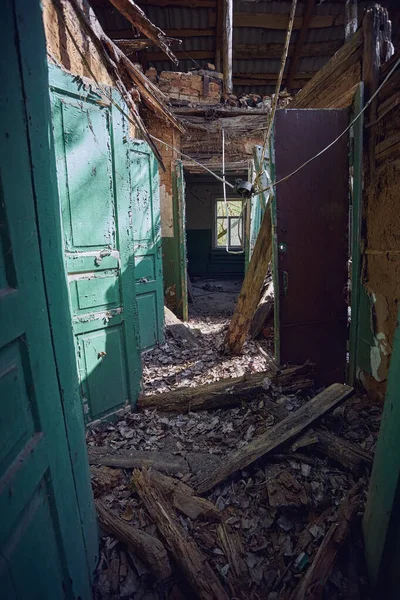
x,y
134,14
131,459
183,497
181,546
349,455
229,392
312,586
250,292
179,330
148,548
284,431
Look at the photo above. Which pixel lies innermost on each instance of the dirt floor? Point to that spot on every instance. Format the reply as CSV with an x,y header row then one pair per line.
x,y
276,513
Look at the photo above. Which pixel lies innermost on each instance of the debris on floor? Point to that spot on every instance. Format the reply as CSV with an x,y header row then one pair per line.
x,y
275,529
180,363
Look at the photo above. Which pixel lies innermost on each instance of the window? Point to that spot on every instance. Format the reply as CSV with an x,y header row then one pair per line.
x,y
229,228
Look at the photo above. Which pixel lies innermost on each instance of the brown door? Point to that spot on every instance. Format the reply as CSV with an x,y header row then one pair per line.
x,y
311,246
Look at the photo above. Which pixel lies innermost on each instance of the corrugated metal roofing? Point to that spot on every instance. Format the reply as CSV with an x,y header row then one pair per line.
x,y
177,18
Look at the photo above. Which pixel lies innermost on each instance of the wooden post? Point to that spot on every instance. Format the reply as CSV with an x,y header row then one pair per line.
x,y
299,43
218,37
250,293
227,35
350,19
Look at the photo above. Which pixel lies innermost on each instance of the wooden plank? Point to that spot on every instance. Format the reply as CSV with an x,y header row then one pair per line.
x,y
351,456
314,93
185,552
272,76
219,35
279,21
252,51
131,459
179,330
182,55
314,582
134,14
287,429
250,293
228,392
135,45
227,33
299,43
147,547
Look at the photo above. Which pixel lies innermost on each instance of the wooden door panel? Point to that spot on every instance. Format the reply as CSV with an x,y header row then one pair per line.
x,y
42,551
147,246
311,249
102,361
93,178
88,207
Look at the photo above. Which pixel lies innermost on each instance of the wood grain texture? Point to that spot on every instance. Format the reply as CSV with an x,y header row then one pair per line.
x,y
287,429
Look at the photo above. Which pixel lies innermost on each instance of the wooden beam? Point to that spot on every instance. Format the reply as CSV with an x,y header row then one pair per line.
x,y
135,45
299,43
250,292
345,63
218,37
272,76
298,83
227,33
182,55
240,51
277,435
252,51
278,21
182,548
350,19
134,14
180,3
182,33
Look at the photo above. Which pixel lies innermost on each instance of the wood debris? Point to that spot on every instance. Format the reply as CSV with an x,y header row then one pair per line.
x,y
257,534
178,330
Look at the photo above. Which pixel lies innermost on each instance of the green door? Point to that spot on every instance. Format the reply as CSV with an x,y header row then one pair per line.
x,y
42,551
93,178
147,243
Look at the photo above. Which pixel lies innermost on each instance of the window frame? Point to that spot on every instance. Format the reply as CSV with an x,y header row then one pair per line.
x,y
215,225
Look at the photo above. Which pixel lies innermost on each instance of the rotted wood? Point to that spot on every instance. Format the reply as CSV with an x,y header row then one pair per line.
x,y
344,67
183,497
181,546
148,548
134,45
136,16
250,293
130,459
227,33
312,586
299,43
349,455
282,432
229,392
127,77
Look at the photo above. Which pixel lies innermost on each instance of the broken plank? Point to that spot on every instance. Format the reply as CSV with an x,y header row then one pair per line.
x,y
314,582
132,459
183,498
178,330
338,449
148,548
181,546
284,431
250,292
228,392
